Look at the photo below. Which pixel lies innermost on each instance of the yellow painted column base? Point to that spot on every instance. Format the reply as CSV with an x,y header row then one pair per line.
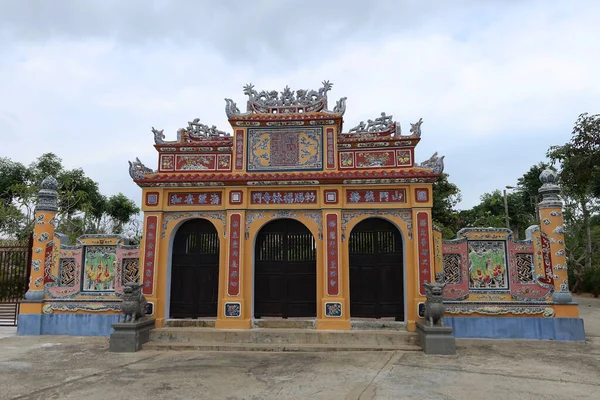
x,y
566,311
31,307
233,323
333,324
411,326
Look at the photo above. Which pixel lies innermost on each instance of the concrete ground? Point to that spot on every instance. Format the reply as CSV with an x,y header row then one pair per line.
x,y
61,367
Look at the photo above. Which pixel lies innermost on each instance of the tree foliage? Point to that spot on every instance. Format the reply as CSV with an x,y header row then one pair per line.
x,y
82,208
580,180
446,195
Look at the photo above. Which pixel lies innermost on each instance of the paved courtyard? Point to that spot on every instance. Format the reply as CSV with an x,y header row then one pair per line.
x,y
60,367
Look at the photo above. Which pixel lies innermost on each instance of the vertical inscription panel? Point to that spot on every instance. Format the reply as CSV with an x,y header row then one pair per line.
x,y
423,246
149,254
332,255
233,284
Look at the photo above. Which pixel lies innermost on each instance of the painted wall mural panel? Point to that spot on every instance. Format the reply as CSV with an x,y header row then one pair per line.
x,y
376,196
195,199
289,149
195,162
100,267
373,159
497,269
284,197
487,265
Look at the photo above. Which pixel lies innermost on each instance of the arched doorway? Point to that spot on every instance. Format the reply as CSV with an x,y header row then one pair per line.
x,y
195,270
285,271
376,270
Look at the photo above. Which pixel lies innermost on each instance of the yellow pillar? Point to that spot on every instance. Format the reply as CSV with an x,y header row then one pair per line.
x,y
333,311
235,277
551,223
30,313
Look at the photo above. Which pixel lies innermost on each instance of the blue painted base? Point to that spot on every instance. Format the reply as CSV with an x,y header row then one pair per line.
x,y
66,324
567,329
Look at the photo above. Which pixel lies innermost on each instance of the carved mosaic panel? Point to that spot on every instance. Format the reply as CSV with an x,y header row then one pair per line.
x,y
67,272
451,267
525,267
130,270
289,149
487,264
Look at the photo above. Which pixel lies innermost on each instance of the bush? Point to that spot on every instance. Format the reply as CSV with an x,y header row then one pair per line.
x,y
591,280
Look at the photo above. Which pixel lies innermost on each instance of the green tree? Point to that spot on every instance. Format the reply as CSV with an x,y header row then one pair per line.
x,y
446,196
82,208
120,209
580,180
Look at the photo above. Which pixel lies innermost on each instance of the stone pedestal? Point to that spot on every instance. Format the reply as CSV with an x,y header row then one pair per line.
x,y
128,337
436,339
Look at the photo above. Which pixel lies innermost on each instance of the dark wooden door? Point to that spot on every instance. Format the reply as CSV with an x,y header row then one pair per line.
x,y
285,266
195,271
376,270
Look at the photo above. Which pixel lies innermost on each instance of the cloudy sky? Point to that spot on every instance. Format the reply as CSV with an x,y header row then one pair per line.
x,y
496,82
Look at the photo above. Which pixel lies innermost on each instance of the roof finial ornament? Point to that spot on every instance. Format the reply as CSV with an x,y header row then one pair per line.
x,y
137,170
435,163
159,136
415,128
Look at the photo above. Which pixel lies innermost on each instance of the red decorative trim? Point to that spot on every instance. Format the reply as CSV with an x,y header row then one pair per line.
x,y
195,199
149,254
236,197
331,197
423,246
152,199
330,149
287,176
233,282
548,279
380,196
48,262
239,149
332,255
362,158
284,197
421,195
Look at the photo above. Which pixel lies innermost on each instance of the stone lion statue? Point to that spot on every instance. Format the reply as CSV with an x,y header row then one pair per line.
x,y
434,307
133,304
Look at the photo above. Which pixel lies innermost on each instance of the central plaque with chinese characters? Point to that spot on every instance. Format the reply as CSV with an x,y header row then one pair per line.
x,y
288,149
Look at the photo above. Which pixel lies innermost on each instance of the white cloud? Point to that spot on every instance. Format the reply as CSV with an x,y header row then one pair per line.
x,y
497,83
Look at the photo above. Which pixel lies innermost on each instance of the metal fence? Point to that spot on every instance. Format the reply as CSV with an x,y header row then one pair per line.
x,y
15,263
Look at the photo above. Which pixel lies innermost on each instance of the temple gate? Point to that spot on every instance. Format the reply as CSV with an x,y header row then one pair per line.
x,y
308,221
291,217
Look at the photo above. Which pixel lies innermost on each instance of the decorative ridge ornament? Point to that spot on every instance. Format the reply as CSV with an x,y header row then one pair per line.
x,y
48,196
383,126
198,132
286,102
137,170
549,190
435,163
195,132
